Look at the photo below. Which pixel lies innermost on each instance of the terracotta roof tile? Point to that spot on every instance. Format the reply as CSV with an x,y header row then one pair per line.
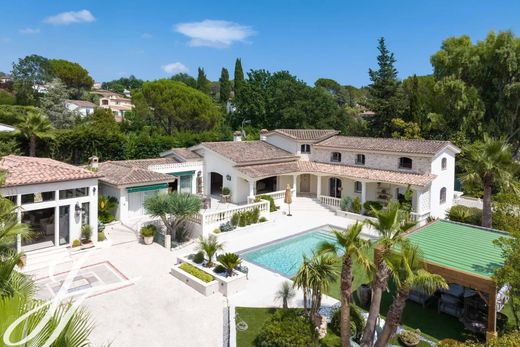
x,y
385,144
307,134
185,153
121,173
355,172
81,103
243,152
31,170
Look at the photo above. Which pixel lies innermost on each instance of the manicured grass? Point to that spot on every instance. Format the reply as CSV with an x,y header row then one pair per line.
x,y
255,319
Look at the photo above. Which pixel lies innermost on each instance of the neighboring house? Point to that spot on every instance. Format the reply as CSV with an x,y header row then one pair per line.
x,y
5,127
132,181
323,164
55,199
118,103
81,107
5,79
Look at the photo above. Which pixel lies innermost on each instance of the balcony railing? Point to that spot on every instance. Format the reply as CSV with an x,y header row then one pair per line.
x,y
329,200
278,195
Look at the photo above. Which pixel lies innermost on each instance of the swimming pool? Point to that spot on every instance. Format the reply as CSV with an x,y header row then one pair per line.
x,y
286,256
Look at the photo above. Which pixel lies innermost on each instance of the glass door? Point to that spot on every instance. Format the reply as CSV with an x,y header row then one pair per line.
x,y
64,226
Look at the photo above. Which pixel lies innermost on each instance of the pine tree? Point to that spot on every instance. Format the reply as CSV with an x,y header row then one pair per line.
x,y
225,86
203,83
239,77
53,105
386,97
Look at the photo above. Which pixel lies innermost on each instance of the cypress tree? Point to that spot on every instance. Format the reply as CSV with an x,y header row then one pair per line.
x,y
239,76
203,83
225,86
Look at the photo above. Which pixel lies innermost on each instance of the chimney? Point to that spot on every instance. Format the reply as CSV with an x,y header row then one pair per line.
x,y
237,136
93,162
263,134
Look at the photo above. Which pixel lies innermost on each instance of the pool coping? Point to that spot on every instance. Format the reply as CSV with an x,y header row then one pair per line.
x,y
250,249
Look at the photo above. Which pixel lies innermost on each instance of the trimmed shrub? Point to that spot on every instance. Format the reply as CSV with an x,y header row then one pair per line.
x,y
272,206
194,271
464,214
226,191
101,236
357,322
369,205
356,205
235,219
228,226
86,232
345,203
286,328
76,243
216,231
255,214
198,258
262,220
219,269
148,230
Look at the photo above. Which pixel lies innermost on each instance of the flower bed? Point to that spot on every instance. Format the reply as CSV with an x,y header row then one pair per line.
x,y
192,270
206,288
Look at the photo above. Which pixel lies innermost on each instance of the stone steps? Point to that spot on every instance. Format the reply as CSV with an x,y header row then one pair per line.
x,y
44,258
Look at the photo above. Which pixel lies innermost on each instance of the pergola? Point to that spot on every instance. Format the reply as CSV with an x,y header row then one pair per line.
x,y
465,255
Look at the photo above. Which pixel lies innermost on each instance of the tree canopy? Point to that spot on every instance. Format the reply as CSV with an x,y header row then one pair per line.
x,y
73,75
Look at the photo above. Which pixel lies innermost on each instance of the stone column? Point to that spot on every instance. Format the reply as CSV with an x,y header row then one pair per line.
x,y
251,189
19,220
363,192
318,187
294,179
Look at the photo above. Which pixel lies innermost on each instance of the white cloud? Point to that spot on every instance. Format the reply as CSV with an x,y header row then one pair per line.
x,y
175,68
146,36
29,31
66,18
214,33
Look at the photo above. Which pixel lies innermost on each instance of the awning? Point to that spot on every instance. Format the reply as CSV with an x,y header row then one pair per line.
x,y
182,173
147,188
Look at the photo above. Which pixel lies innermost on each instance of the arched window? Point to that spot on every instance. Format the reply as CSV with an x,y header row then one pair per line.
x,y
305,148
335,157
444,163
442,198
405,163
360,159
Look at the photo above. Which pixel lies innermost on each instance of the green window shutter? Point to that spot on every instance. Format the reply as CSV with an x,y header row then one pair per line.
x,y
182,173
147,188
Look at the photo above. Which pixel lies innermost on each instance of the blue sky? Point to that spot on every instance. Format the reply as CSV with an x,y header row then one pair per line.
x,y
312,39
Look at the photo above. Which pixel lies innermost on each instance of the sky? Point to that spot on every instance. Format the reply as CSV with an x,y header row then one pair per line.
x,y
312,39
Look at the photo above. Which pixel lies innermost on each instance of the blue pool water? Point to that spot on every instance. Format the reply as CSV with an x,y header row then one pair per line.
x,y
285,256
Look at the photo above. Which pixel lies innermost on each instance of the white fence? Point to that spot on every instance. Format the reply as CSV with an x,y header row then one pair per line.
x,y
329,200
278,195
207,221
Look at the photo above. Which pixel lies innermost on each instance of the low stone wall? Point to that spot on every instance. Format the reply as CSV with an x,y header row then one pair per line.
x,y
355,216
205,288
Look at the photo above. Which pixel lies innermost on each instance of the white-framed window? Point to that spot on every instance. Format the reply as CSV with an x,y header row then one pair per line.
x,y
405,163
335,157
185,184
360,159
444,163
442,198
358,187
305,148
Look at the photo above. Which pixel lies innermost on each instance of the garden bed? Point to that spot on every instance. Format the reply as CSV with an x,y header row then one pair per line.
x,y
203,287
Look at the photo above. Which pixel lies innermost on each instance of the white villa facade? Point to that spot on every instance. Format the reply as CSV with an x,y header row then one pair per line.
x,y
117,103
81,107
55,199
329,167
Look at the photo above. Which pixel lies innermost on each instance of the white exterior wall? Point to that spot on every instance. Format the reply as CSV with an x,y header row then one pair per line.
x,y
445,178
83,111
283,143
373,160
75,220
171,169
5,127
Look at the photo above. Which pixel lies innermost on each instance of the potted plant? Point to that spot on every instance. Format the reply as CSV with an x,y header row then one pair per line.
x,y
148,232
86,233
226,194
229,261
410,338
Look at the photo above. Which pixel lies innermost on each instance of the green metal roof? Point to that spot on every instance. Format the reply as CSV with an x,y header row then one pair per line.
x,y
460,246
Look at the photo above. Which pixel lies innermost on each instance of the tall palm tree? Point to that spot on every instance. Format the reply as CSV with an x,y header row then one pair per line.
x,y
210,246
490,164
408,272
351,248
285,293
34,126
302,280
391,225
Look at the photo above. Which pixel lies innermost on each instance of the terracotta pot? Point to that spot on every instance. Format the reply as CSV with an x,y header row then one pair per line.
x,y
148,240
23,261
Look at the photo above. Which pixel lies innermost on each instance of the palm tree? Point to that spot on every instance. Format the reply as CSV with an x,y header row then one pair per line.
x,y
302,280
209,246
34,126
408,272
284,294
390,225
351,248
229,261
173,209
489,164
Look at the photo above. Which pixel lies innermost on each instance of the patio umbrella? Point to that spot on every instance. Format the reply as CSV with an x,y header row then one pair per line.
x,y
288,198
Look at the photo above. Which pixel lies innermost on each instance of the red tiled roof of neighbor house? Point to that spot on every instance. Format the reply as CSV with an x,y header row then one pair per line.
x,y
185,153
243,152
429,147
306,134
356,172
81,103
32,170
121,173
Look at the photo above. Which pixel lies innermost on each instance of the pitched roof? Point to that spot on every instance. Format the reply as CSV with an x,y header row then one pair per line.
x,y
429,147
356,172
121,173
306,134
184,154
81,103
31,170
243,152
460,246
146,163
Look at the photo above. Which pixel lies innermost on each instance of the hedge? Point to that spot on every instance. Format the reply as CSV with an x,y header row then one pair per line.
x,y
272,206
192,270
